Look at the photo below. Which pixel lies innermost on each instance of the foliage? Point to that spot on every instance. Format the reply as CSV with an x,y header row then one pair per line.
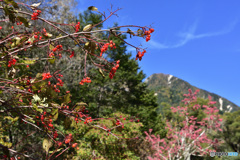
x,y
189,136
36,109
231,131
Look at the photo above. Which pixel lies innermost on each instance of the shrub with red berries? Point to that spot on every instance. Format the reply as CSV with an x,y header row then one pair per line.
x,y
114,69
77,27
85,80
140,55
35,103
147,33
12,62
35,14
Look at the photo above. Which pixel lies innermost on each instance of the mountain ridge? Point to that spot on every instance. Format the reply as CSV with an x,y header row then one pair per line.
x,y
170,89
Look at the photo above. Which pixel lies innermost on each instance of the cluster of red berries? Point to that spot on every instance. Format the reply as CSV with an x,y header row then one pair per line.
x,y
44,33
19,23
51,54
80,114
57,48
77,120
68,138
35,14
85,80
88,119
36,36
140,55
105,47
56,89
118,122
55,135
151,30
46,76
12,62
0,27
60,75
113,70
49,122
60,82
112,45
44,30
77,27
72,54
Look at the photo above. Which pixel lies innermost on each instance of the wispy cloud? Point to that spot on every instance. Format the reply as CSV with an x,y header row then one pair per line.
x,y
190,35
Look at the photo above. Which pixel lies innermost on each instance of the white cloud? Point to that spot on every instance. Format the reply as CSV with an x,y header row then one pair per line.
x,y
191,35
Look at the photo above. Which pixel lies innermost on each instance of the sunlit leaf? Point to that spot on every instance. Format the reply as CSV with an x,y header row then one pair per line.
x,y
87,28
92,8
52,60
35,5
47,144
101,72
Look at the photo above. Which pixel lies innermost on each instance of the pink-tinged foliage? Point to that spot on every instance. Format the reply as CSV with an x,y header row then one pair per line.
x,y
182,142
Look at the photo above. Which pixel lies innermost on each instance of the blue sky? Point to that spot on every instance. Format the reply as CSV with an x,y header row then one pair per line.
x,y
197,41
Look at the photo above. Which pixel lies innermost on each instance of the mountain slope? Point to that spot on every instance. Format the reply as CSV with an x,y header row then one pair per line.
x,y
170,89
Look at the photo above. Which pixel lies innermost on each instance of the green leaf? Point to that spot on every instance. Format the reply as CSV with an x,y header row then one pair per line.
x,y
81,104
54,113
51,47
56,151
140,33
38,76
67,98
47,144
29,61
48,35
52,61
87,28
90,46
67,122
18,39
92,8
13,45
9,118
14,4
31,39
23,20
12,17
101,72
6,10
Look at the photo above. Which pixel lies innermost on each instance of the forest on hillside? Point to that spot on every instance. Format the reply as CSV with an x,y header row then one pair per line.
x,y
69,90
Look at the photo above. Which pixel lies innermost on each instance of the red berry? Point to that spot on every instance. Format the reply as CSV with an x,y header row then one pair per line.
x,y
67,141
151,30
74,145
59,144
